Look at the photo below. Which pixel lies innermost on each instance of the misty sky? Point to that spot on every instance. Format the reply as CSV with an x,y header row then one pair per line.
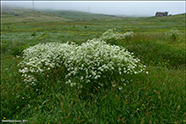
x,y
129,8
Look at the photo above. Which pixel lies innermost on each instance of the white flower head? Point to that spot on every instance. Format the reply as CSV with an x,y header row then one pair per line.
x,y
120,88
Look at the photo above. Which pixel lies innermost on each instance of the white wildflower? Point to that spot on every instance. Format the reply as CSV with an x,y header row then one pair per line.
x,y
120,88
86,62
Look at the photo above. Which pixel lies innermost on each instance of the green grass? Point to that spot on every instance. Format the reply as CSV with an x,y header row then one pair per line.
x,y
156,97
28,15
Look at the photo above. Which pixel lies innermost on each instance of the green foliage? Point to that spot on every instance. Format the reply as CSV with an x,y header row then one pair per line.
x,y
87,65
156,97
33,34
174,34
17,50
162,52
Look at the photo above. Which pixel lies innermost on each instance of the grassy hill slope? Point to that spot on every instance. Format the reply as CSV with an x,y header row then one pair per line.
x,y
11,15
77,15
156,95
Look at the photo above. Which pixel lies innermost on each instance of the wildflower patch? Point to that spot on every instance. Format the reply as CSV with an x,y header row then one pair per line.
x,y
88,65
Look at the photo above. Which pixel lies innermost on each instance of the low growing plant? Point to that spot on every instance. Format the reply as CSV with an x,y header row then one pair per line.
x,y
39,59
174,34
112,37
88,65
95,62
112,34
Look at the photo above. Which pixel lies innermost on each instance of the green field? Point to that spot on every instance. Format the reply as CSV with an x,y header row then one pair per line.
x,y
156,95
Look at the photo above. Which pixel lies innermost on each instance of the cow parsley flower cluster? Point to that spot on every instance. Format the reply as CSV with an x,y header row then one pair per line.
x,y
111,34
95,59
87,63
42,57
174,34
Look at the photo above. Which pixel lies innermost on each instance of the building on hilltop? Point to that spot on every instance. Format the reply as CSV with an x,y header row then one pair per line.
x,y
161,14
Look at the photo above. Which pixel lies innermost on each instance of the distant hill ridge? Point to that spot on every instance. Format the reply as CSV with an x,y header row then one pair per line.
x,y
14,15
25,15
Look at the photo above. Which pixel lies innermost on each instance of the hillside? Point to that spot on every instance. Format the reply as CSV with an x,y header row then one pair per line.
x,y
11,15
82,16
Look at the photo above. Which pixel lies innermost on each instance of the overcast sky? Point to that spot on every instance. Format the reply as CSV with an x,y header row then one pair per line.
x,y
129,8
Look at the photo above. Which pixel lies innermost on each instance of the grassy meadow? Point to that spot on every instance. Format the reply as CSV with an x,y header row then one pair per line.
x,y
157,95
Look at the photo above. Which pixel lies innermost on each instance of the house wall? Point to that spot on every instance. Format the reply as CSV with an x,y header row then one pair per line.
x,y
161,13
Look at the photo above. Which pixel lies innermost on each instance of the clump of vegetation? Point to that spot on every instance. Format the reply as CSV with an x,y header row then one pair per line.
x,y
112,34
88,65
95,62
174,34
33,34
43,57
112,37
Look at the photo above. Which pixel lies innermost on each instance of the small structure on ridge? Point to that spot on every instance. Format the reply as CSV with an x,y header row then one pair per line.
x,y
161,14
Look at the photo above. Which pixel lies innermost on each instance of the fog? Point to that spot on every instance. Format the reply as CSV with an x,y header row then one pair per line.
x,y
132,8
